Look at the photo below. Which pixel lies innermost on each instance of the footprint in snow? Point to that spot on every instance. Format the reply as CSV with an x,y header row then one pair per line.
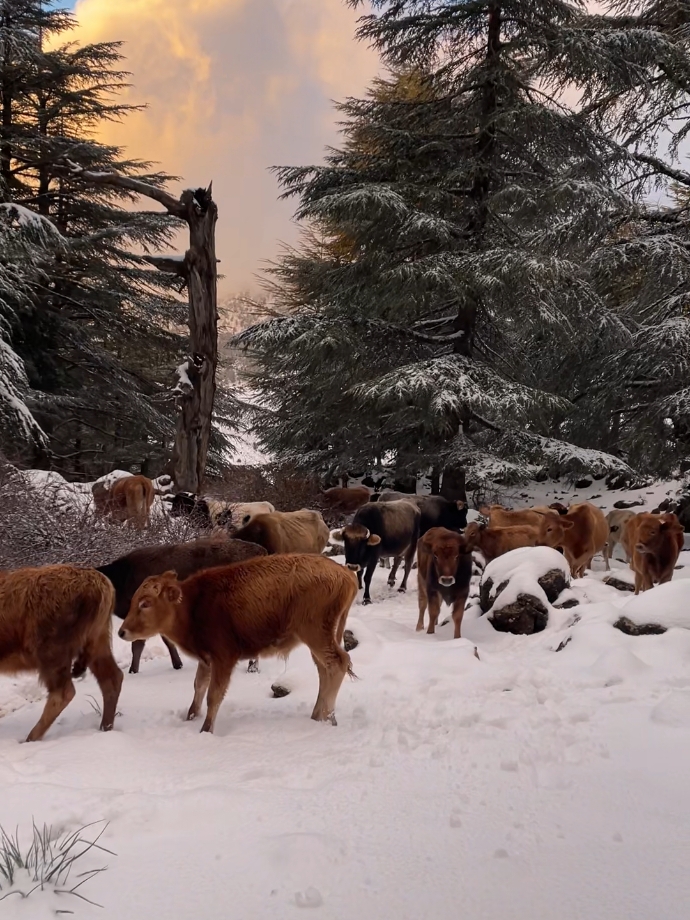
x,y
309,898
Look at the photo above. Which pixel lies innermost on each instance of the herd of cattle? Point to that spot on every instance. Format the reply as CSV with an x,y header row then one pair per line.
x,y
259,584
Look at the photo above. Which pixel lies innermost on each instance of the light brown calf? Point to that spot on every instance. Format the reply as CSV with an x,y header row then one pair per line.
x,y
264,606
48,617
287,532
495,541
584,538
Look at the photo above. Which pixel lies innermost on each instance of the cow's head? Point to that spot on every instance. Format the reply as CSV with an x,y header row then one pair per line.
x,y
653,530
552,529
446,549
153,608
360,545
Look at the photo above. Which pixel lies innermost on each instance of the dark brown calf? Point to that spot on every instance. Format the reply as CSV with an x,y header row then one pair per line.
x,y
264,606
444,561
654,542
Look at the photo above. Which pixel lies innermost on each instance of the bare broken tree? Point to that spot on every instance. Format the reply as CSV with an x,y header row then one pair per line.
x,y
196,388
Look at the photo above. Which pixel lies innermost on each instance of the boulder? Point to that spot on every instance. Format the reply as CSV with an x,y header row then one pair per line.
x,y
623,504
524,616
349,640
618,583
279,691
627,626
517,588
583,483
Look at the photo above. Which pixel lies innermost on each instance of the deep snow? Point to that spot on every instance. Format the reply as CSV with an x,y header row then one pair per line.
x,y
528,784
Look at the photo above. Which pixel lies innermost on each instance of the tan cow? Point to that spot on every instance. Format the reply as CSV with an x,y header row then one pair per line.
x,y
287,532
584,539
49,617
496,541
617,521
127,500
347,501
265,606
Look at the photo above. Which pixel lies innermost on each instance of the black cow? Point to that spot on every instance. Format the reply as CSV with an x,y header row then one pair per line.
x,y
381,530
186,504
128,572
436,510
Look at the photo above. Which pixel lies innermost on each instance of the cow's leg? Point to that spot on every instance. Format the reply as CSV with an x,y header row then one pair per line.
x,y
409,559
423,601
336,664
458,612
394,570
174,654
385,562
201,682
368,575
104,668
434,611
318,706
253,666
218,687
137,649
607,552
61,692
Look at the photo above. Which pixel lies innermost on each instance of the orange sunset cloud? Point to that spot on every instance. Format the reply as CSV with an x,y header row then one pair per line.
x,y
233,87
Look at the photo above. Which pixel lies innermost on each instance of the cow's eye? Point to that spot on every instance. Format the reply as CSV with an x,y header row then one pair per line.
x,y
144,605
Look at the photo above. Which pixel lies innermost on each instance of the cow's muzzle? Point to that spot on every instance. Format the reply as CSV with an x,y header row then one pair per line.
x,y
446,581
353,568
122,633
640,548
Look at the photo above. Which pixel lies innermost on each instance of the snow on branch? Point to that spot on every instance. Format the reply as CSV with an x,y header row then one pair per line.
x,y
41,229
173,205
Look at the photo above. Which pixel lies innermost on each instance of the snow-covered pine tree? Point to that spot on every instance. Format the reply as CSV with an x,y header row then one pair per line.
x,y
439,292
97,337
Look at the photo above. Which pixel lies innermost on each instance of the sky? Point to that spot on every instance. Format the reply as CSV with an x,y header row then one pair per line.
x,y
233,87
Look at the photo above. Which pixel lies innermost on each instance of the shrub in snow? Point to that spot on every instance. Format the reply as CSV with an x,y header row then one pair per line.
x,y
52,871
517,588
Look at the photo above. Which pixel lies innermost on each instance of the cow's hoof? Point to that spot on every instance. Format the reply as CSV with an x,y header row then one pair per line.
x,y
133,670
366,601
402,590
391,584
177,665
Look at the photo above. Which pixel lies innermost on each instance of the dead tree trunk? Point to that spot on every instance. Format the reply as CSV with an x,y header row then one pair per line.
x,y
196,388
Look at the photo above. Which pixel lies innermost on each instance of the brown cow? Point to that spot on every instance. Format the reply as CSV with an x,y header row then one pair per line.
x,y
346,501
265,606
49,616
617,522
444,560
654,542
287,532
501,517
584,539
495,541
127,500
128,572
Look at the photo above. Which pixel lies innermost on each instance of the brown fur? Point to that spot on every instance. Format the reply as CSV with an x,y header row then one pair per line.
x,y
495,541
586,536
265,606
654,542
287,532
617,522
47,617
501,517
346,501
443,554
128,500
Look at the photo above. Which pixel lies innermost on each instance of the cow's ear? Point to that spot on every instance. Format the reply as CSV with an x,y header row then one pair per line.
x,y
566,525
484,509
337,535
374,540
461,504
172,593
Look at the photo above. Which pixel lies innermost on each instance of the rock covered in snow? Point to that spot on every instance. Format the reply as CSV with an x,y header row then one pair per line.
x,y
665,606
517,588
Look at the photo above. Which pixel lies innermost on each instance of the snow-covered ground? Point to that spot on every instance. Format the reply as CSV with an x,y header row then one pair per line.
x,y
526,784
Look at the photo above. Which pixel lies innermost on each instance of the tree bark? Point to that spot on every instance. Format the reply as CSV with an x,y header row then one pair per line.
x,y
198,268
